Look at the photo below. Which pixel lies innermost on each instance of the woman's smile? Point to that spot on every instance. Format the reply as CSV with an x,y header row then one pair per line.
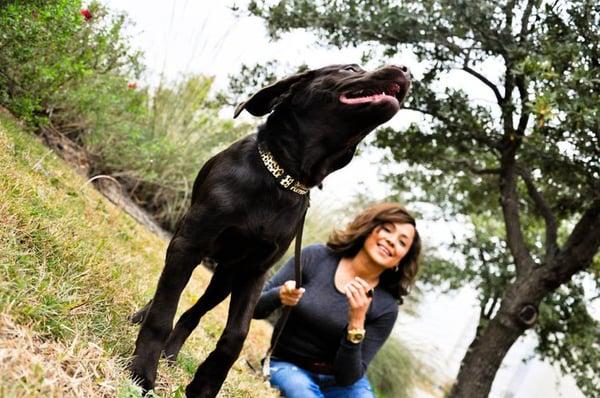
x,y
384,250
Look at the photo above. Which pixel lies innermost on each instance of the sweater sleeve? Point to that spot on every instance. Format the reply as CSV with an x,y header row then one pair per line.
x,y
269,299
351,359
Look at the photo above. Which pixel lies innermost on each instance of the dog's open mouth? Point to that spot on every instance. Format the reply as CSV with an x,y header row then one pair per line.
x,y
391,92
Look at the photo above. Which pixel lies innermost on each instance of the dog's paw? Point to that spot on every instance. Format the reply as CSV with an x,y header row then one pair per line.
x,y
171,358
138,378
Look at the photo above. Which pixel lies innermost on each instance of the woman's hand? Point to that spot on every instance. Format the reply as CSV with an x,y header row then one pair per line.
x,y
358,302
289,295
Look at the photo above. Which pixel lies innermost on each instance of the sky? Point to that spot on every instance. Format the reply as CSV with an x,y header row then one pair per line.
x,y
204,36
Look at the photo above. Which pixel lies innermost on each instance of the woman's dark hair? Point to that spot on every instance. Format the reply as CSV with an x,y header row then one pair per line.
x,y
348,242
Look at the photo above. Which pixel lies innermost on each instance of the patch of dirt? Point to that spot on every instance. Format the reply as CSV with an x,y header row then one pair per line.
x,y
70,151
111,188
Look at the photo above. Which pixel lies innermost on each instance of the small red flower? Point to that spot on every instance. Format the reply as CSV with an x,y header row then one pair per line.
x,y
86,14
132,85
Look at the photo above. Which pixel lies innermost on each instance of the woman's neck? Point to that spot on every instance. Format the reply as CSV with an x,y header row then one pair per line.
x,y
362,266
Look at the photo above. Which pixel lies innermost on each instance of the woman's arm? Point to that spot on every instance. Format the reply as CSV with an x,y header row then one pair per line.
x,y
279,290
352,359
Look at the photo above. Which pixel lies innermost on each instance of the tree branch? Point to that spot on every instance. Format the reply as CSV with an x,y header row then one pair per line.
x,y
509,199
508,11
544,209
524,97
487,141
485,81
471,167
525,19
579,250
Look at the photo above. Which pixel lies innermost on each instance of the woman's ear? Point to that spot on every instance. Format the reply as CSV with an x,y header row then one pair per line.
x,y
264,100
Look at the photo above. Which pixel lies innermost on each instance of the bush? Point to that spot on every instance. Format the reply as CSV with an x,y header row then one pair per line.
x,y
50,47
158,152
393,371
74,68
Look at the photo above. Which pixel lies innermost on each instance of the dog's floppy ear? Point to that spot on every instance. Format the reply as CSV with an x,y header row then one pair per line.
x,y
264,100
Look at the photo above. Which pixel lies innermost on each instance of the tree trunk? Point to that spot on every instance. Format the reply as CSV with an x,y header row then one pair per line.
x,y
485,354
519,308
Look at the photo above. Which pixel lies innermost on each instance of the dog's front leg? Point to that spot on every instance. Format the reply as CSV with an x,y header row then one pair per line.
x,y
212,372
182,257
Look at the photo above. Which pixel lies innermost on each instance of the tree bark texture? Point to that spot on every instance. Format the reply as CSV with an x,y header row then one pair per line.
x,y
485,355
518,312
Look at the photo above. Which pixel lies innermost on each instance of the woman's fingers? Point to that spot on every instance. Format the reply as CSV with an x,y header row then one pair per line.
x,y
289,286
358,301
363,283
289,289
288,293
358,288
291,301
351,299
357,294
368,289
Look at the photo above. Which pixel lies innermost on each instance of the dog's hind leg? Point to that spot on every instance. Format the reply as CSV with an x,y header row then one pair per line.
x,y
217,290
212,372
183,255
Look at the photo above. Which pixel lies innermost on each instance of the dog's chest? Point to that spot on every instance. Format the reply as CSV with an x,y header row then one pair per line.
x,y
277,225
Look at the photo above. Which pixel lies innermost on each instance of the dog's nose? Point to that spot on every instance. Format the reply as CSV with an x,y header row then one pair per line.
x,y
404,69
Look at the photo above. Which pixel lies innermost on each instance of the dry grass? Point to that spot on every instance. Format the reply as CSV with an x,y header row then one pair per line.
x,y
72,269
31,365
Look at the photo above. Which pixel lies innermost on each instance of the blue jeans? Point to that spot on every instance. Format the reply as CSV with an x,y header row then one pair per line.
x,y
295,382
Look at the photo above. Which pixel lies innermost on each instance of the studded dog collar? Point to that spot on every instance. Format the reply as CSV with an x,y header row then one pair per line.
x,y
285,180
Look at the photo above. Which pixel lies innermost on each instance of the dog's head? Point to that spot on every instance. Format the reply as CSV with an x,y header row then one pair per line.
x,y
319,116
362,99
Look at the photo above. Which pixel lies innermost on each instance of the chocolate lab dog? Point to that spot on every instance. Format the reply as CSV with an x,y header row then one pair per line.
x,y
248,200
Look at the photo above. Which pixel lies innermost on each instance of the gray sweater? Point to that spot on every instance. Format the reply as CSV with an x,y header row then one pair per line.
x,y
316,328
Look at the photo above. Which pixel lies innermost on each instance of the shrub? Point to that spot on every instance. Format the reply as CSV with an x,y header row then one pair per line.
x,y
392,372
50,47
74,68
158,153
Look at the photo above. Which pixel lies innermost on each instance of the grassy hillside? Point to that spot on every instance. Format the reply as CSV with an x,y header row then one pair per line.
x,y
72,268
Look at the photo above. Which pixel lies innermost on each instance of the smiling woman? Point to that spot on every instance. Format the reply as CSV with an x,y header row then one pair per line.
x,y
347,306
386,225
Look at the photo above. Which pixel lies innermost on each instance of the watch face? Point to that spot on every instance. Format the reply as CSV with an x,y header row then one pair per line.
x,y
356,336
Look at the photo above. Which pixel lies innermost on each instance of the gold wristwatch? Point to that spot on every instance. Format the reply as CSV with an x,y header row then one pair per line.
x,y
355,335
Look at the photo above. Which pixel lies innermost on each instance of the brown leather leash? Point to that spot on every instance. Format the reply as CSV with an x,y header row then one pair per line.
x,y
266,362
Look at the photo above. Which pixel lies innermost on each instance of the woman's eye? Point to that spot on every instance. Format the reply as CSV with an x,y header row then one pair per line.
x,y
351,68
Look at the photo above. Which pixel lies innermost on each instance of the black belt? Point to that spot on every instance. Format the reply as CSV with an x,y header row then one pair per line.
x,y
309,364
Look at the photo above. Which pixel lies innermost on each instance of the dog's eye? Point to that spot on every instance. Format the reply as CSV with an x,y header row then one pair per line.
x,y
351,68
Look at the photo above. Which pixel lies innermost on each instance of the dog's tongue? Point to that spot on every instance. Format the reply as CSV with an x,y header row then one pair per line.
x,y
362,100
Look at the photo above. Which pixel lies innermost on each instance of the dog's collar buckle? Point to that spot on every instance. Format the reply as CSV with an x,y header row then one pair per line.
x,y
285,180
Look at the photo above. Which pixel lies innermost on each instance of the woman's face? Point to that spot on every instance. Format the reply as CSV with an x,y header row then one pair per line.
x,y
388,243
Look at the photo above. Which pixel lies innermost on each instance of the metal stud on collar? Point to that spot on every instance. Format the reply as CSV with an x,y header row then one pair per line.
x,y
285,180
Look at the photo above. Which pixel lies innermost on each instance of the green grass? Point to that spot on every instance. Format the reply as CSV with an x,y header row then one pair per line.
x,y
72,269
